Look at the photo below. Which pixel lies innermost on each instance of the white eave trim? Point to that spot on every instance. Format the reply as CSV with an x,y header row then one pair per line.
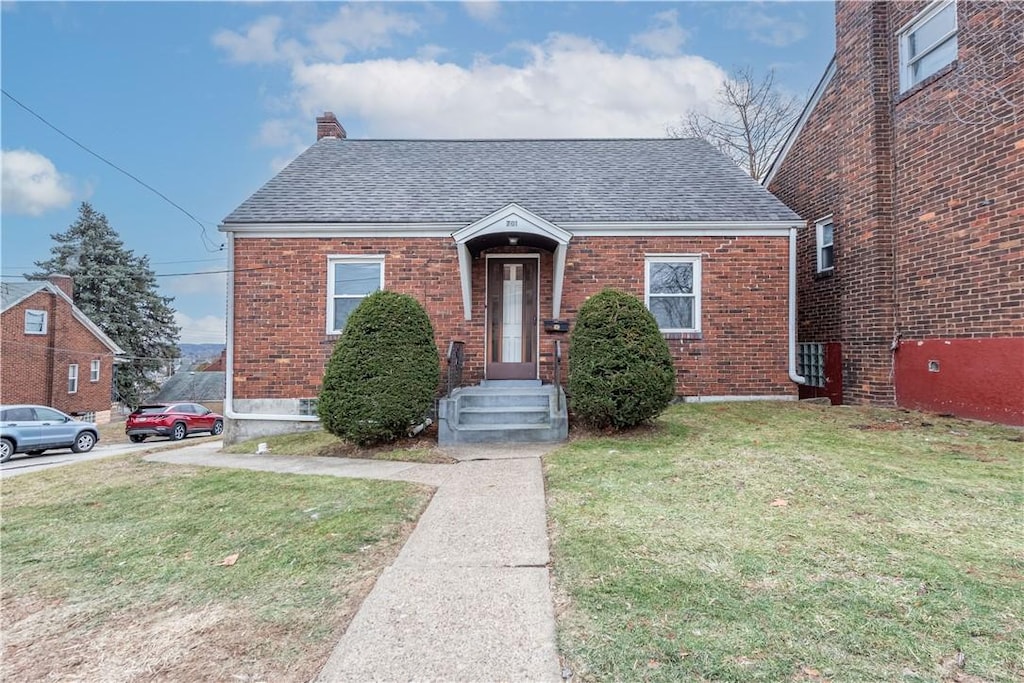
x,y
826,78
526,222
576,228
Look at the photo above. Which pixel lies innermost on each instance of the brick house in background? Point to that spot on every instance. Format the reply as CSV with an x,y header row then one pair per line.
x,y
502,241
51,353
908,163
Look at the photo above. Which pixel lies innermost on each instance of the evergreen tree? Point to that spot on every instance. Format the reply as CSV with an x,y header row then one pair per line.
x,y
118,291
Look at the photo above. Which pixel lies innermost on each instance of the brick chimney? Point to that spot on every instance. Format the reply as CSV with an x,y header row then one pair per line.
x,y
327,126
65,283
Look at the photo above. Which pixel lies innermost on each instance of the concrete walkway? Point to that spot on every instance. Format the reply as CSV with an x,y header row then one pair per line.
x,y
468,597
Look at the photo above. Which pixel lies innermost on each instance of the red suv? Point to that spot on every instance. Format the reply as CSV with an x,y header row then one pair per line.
x,y
174,420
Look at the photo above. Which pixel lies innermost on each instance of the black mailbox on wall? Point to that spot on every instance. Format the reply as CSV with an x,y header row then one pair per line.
x,y
556,325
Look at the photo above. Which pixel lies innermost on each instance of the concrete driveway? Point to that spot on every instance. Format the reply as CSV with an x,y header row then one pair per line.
x,y
23,464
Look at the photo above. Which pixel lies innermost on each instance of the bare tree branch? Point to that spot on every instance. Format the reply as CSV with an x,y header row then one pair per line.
x,y
752,124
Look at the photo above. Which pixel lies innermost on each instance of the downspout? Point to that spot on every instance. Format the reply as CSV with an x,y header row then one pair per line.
x,y
792,309
229,360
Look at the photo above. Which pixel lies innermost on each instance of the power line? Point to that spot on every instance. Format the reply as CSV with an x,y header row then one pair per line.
x,y
152,263
207,242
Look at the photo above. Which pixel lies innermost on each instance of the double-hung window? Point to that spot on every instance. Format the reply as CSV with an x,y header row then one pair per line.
x,y
349,280
927,43
94,371
824,239
35,322
73,378
672,292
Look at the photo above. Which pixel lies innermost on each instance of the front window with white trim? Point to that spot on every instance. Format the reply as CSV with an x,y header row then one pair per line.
x,y
672,292
824,239
927,43
94,371
349,280
73,378
35,322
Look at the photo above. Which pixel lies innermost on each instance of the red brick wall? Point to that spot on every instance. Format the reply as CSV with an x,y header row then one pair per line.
x,y
280,312
926,197
34,368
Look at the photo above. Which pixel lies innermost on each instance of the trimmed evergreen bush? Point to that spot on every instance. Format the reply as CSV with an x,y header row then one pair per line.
x,y
620,369
383,375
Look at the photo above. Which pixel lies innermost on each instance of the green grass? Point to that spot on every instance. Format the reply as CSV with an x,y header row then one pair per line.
x,y
322,443
113,538
899,546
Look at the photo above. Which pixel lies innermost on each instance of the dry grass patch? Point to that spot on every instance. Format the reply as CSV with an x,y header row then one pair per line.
x,y
422,449
122,570
770,542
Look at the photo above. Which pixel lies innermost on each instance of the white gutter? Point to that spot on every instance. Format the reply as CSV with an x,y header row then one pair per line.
x,y
229,361
792,309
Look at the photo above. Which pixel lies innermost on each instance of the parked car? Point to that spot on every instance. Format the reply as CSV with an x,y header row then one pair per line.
x,y
173,420
36,429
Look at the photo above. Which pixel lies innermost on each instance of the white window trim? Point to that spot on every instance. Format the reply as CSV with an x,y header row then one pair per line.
x,y
94,371
46,320
695,261
73,378
819,245
344,258
924,16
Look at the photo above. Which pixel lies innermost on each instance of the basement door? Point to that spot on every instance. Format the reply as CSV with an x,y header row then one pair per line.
x,y
511,318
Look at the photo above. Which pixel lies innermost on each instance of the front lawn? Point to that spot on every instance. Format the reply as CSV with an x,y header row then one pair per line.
x,y
322,443
779,542
123,570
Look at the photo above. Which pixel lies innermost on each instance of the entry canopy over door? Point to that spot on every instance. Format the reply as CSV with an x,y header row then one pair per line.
x,y
511,224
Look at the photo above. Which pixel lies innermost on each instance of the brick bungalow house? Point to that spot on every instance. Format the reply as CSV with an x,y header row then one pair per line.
x,y
502,241
52,354
908,163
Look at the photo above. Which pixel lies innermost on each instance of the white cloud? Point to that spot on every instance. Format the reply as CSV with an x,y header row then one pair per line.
x,y
31,183
353,28
567,87
484,11
258,45
764,28
362,28
202,283
664,36
431,52
208,329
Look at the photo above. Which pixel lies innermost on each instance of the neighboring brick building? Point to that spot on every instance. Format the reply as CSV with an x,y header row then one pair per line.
x,y
908,163
51,353
541,225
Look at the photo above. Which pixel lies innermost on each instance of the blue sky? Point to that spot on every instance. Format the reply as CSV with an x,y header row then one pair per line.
x,y
206,101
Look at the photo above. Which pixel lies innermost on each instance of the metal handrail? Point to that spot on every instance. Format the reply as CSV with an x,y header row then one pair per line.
x,y
558,374
456,359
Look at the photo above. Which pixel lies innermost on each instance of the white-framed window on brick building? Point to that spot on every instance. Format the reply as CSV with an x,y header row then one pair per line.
x,y
672,291
73,378
35,322
349,280
94,370
927,43
825,244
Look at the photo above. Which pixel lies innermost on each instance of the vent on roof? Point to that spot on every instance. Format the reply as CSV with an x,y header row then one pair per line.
x,y
327,126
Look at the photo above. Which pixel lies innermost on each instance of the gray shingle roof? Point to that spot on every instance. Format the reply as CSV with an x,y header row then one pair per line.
x,y
460,181
13,292
192,386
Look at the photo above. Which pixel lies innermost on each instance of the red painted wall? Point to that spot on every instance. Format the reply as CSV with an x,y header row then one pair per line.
x,y
977,378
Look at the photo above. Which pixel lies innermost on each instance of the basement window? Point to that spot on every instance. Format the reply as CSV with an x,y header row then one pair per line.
x,y
812,363
825,241
672,292
927,43
307,406
349,280
35,322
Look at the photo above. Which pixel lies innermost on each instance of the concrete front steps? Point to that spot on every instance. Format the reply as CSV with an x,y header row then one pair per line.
x,y
503,411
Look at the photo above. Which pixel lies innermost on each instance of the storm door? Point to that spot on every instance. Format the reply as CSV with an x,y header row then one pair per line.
x,y
511,318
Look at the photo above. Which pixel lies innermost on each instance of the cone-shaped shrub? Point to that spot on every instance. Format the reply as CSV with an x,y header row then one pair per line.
x,y
620,369
383,375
